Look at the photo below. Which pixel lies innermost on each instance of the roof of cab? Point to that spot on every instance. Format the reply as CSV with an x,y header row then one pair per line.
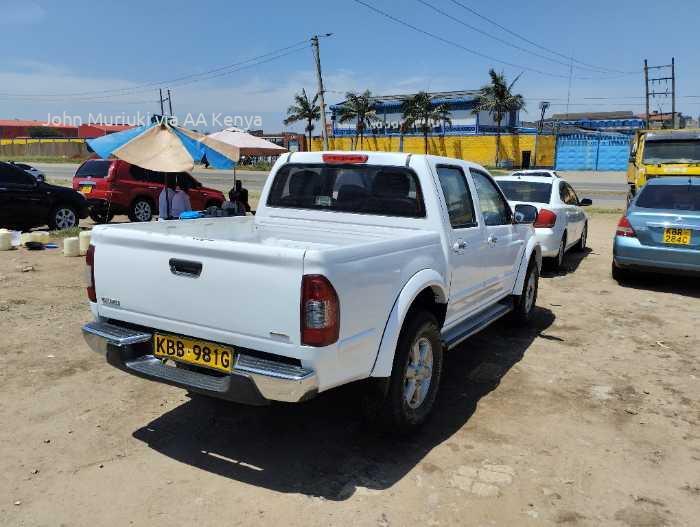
x,y
377,158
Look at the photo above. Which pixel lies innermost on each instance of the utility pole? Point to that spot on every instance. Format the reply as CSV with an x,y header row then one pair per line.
x,y
319,78
652,92
673,92
170,103
162,111
543,107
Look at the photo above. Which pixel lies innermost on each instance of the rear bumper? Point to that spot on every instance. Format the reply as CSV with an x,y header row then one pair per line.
x,y
253,380
549,240
628,253
102,206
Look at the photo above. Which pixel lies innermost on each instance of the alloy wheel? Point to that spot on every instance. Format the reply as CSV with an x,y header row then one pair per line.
x,y
142,211
65,218
419,372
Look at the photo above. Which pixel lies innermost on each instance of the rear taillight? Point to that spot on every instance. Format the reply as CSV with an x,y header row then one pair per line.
x,y
90,273
545,219
111,171
320,311
624,228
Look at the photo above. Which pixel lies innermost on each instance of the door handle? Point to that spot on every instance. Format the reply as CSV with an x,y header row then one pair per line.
x,y
152,188
185,268
459,245
492,239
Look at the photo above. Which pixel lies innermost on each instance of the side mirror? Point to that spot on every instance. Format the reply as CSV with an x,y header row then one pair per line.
x,y
524,214
585,202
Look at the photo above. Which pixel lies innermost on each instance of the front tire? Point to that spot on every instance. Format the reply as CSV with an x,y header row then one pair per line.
x,y
141,210
403,402
524,303
63,217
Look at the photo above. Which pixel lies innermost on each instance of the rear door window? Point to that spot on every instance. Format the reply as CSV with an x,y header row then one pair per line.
x,y
97,168
458,199
362,189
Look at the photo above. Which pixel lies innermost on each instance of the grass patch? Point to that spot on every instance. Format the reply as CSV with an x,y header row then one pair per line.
x,y
605,210
44,159
73,232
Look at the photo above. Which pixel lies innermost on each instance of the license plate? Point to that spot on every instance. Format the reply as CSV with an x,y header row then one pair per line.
x,y
677,236
86,189
191,351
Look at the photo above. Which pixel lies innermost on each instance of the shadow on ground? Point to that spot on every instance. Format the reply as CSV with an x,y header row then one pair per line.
x,y
572,261
664,283
322,447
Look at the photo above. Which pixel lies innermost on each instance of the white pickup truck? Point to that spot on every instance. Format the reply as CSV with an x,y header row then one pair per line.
x,y
359,266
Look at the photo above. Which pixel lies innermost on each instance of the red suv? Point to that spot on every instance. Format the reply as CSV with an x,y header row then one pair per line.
x,y
117,187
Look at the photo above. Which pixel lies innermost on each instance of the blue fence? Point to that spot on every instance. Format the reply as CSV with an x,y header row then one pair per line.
x,y
592,152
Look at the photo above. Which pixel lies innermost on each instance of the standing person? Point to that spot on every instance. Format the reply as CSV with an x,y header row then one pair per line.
x,y
181,201
165,200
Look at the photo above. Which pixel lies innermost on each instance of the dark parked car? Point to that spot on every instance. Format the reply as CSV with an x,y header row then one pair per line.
x,y
26,202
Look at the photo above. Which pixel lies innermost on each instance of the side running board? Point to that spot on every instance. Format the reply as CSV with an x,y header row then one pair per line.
x,y
453,336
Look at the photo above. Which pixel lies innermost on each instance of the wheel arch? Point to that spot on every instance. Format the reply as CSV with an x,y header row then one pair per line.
x,y
532,250
425,289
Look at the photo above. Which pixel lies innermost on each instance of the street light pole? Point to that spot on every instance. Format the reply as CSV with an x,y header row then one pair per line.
x,y
319,79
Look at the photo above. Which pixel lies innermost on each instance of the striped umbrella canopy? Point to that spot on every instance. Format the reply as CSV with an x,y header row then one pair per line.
x,y
164,147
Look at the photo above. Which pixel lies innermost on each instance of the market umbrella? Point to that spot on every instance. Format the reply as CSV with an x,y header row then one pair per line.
x,y
163,147
247,144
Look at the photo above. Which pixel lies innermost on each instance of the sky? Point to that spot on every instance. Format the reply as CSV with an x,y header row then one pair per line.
x,y
76,58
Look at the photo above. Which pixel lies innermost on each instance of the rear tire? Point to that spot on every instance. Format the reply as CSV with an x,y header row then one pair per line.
x,y
101,217
619,274
141,210
524,303
403,402
63,217
557,263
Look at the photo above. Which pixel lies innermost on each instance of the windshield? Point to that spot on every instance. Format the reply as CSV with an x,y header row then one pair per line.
x,y
364,189
93,168
677,197
526,191
672,151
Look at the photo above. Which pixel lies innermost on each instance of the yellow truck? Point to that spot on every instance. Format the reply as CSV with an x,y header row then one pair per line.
x,y
659,153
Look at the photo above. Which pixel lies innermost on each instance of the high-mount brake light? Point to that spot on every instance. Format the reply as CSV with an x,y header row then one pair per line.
x,y
345,158
320,311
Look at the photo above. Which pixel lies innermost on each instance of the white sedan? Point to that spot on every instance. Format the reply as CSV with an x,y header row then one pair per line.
x,y
561,223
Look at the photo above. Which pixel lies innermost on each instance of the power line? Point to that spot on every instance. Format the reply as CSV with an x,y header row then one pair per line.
x,y
464,48
517,35
504,41
213,73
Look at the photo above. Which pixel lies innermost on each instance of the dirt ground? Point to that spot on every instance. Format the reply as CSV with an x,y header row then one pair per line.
x,y
590,417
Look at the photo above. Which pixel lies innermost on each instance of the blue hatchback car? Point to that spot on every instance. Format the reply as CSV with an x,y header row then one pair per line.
x,y
660,231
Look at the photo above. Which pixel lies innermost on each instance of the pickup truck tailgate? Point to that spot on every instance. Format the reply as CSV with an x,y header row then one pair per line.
x,y
184,282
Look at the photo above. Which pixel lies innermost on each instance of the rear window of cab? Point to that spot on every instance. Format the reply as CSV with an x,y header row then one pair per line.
x,y
361,189
527,191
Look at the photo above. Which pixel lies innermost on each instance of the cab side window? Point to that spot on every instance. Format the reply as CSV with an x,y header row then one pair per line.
x,y
458,199
567,194
494,207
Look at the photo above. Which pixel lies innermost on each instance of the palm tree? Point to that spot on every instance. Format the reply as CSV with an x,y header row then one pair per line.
x,y
360,108
304,109
498,100
420,111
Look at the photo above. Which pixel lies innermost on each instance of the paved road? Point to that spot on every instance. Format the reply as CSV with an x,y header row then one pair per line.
x,y
603,186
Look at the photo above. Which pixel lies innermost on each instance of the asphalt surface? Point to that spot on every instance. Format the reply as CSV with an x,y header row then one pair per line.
x,y
607,187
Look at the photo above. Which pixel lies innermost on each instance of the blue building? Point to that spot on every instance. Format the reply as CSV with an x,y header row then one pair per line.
x,y
460,103
624,122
